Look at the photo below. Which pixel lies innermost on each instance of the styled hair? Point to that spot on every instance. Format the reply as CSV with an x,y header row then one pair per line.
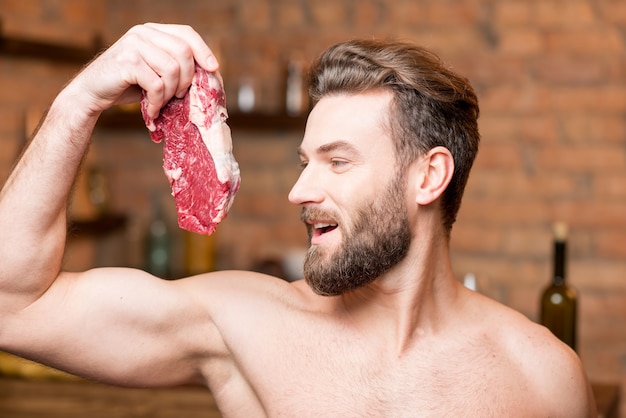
x,y
431,106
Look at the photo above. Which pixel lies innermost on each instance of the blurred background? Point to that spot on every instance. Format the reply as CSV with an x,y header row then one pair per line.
x,y
551,80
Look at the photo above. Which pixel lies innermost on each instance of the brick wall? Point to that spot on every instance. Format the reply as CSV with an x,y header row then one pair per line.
x,y
551,79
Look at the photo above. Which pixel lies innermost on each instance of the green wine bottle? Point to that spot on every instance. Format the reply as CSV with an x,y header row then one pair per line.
x,y
559,300
158,245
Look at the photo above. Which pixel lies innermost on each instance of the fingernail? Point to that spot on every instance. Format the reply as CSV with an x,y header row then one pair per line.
x,y
212,62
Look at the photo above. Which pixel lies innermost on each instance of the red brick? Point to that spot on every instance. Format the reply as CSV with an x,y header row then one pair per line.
x,y
266,150
609,186
290,15
613,11
501,213
407,12
513,184
79,13
499,278
513,13
521,98
259,181
477,238
522,41
525,299
593,41
456,13
526,242
446,42
489,69
566,69
530,128
610,243
587,213
564,13
581,157
602,314
328,13
255,16
368,13
598,275
595,129
500,155
9,151
577,99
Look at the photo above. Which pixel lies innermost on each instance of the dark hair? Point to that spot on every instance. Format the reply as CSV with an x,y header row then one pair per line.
x,y
431,106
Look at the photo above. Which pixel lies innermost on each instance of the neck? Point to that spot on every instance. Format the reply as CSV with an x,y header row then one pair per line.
x,y
411,300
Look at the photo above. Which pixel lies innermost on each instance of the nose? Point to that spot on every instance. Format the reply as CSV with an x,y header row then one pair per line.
x,y
307,189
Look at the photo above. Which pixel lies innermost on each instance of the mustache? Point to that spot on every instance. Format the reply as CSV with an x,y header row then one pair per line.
x,y
309,214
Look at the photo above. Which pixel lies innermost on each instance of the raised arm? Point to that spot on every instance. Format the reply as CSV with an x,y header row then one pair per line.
x,y
35,297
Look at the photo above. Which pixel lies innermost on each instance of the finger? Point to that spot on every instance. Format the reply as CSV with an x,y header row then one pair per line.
x,y
175,73
202,54
171,58
154,88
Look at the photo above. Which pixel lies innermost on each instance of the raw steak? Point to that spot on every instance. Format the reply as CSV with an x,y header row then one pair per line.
x,y
197,152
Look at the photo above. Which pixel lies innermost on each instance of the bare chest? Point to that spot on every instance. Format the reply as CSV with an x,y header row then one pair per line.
x,y
319,375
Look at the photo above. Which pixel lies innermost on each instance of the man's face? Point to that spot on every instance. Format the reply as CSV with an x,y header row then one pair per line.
x,y
351,195
378,239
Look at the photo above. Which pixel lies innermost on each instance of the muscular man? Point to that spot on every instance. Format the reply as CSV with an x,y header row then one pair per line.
x,y
379,327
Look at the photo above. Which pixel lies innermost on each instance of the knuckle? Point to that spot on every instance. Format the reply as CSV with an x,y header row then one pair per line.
x,y
171,68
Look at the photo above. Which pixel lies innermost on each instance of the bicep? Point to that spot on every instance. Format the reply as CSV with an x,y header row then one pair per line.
x,y
121,326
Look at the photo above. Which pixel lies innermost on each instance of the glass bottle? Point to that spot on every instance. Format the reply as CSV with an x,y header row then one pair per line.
x,y
158,243
199,253
559,300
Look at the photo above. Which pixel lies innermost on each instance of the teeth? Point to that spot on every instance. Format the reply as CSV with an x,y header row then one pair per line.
x,y
323,225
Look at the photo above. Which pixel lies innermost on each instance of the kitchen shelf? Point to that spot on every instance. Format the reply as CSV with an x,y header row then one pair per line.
x,y
101,226
121,119
31,48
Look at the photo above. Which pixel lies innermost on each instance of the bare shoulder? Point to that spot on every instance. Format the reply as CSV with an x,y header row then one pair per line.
x,y
550,370
226,289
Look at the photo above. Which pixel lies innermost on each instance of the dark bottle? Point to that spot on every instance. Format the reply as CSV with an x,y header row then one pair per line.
x,y
559,300
158,243
199,253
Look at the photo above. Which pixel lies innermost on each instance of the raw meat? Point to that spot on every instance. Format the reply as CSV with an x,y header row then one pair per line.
x,y
197,152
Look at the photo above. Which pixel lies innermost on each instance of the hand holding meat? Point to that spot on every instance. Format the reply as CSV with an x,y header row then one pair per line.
x,y
159,59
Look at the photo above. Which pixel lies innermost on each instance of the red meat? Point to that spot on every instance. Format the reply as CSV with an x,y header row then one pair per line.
x,y
197,152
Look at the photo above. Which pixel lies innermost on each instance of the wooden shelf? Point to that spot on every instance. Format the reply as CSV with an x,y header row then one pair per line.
x,y
119,119
98,227
31,48
71,399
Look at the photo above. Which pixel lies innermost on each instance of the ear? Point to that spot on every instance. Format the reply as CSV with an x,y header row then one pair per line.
x,y
433,174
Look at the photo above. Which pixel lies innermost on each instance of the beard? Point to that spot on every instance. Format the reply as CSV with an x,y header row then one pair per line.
x,y
379,239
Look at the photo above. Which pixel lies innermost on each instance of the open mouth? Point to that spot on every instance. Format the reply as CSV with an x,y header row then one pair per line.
x,y
322,228
319,223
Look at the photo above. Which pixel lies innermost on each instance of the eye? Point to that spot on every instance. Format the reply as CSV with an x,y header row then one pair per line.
x,y
303,164
339,164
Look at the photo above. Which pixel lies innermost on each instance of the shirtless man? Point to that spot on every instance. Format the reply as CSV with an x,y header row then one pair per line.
x,y
380,327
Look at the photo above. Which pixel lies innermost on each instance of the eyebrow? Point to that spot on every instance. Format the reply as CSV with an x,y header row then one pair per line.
x,y
338,145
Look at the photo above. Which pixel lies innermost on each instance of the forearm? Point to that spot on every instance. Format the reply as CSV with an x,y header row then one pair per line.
x,y
33,202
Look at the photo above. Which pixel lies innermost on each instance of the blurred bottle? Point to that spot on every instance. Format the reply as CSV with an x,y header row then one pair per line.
x,y
98,190
158,243
246,95
470,282
296,99
559,300
199,253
